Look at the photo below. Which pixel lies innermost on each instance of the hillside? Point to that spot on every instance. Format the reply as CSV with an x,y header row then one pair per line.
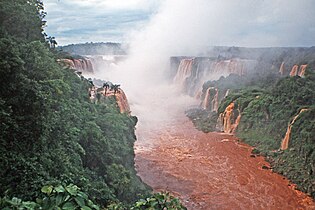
x,y
270,110
51,133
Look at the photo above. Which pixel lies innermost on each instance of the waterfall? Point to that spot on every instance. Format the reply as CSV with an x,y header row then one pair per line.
x,y
84,65
205,103
281,70
302,70
294,70
184,72
285,140
227,93
229,119
122,101
191,73
215,101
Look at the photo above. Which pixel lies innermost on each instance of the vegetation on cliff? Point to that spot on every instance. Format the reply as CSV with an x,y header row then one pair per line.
x,y
51,135
267,107
58,149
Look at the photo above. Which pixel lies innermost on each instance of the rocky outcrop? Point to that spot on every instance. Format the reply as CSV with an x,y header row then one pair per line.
x,y
99,94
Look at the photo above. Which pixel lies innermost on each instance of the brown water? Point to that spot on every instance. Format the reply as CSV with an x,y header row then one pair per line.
x,y
210,171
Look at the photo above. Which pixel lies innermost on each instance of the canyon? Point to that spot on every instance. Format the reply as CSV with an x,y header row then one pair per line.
x,y
211,170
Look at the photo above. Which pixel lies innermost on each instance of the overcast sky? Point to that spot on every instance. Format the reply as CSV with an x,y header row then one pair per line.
x,y
80,21
256,23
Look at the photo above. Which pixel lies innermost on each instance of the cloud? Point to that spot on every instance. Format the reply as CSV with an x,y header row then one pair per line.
x,y
217,22
79,21
190,27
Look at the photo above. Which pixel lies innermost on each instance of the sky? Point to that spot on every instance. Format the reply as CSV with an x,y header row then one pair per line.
x,y
255,23
80,21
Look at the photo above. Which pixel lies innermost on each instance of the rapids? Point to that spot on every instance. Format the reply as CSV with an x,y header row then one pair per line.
x,y
210,171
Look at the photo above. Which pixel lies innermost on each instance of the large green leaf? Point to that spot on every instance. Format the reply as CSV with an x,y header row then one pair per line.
x,y
59,189
68,206
72,189
47,189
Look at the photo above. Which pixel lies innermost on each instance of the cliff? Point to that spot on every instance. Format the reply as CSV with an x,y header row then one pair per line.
x,y
99,95
277,120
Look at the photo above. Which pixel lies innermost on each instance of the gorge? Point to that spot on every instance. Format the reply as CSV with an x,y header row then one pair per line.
x,y
216,170
164,113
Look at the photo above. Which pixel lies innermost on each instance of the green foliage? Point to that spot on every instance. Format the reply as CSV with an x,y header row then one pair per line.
x,y
158,201
68,197
266,113
50,132
71,197
22,19
203,120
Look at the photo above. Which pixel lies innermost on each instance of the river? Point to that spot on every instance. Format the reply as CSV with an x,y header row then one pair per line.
x,y
210,171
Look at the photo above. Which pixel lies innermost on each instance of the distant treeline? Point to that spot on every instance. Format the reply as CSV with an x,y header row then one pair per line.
x,y
101,48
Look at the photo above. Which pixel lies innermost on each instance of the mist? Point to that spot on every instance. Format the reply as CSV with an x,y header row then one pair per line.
x,y
190,28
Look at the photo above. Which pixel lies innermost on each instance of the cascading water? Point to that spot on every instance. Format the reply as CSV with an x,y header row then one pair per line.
x,y
302,70
122,102
285,140
282,70
298,71
229,119
84,65
215,101
294,71
205,103
184,72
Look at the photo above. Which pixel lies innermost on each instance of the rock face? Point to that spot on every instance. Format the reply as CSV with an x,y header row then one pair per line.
x,y
285,140
98,94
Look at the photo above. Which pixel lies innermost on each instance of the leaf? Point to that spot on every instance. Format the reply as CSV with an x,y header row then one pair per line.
x,y
15,201
59,199
60,189
68,206
72,189
80,201
29,205
47,189
92,205
83,195
86,208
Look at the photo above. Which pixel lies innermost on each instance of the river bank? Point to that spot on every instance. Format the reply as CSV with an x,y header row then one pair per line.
x,y
211,171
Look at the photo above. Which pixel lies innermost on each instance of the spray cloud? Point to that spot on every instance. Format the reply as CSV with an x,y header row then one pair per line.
x,y
190,27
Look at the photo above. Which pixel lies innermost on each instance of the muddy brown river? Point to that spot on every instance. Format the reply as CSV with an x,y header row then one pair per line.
x,y
210,171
